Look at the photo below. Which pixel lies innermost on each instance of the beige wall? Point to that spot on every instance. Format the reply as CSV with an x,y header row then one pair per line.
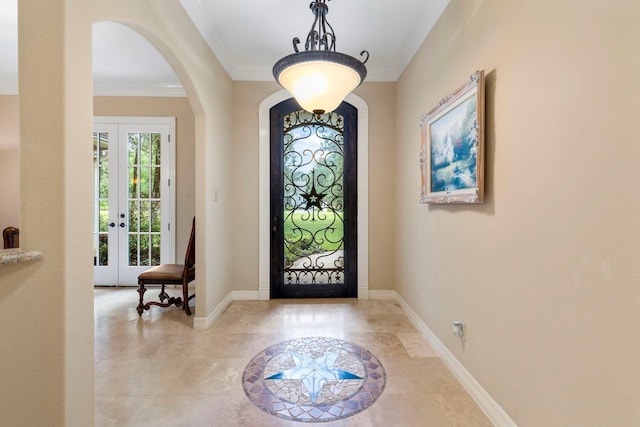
x,y
46,311
185,148
247,97
546,272
167,27
46,314
108,106
9,161
380,97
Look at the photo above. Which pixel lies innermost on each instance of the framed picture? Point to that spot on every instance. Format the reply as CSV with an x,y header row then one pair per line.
x,y
452,146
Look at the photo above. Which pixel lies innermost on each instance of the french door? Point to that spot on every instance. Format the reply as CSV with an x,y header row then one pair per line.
x,y
134,164
313,202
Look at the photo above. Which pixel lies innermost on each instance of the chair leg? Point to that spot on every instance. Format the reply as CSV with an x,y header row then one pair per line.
x,y
163,295
185,297
141,291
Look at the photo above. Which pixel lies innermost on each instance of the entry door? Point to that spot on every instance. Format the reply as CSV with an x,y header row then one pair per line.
x,y
313,202
134,197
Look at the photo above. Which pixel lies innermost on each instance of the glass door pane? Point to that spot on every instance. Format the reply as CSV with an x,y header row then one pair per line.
x,y
144,199
313,162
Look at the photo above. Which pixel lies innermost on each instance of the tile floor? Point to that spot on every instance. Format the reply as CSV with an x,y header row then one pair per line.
x,y
159,371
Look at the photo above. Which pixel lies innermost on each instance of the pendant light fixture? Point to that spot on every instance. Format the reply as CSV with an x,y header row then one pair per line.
x,y
319,78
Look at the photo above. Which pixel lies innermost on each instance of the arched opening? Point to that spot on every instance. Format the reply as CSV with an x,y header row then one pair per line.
x,y
125,63
56,337
133,85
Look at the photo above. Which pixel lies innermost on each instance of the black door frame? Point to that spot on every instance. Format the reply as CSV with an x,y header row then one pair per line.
x,y
349,288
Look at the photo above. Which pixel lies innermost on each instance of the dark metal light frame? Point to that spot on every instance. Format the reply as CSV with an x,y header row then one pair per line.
x,y
320,46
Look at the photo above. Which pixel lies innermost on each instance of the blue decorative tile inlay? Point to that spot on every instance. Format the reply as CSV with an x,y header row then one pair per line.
x,y
314,373
314,379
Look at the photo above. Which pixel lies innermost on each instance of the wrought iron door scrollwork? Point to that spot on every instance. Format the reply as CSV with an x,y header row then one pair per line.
x,y
313,159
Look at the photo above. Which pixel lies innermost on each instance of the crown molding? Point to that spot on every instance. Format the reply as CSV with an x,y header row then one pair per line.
x,y
203,23
430,16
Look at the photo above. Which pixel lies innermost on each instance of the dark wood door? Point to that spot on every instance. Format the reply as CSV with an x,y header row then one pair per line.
x,y
313,202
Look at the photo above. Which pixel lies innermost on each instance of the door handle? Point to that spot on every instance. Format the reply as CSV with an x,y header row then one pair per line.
x,y
122,224
112,224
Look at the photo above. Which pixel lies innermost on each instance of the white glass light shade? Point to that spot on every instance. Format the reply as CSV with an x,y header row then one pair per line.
x,y
319,80
319,85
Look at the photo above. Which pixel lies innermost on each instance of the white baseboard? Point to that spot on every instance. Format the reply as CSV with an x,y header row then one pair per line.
x,y
206,322
363,292
490,407
264,294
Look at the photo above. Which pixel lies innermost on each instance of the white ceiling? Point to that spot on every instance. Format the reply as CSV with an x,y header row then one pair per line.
x,y
248,37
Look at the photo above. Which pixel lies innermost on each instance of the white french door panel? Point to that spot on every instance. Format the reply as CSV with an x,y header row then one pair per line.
x,y
105,255
146,238
141,202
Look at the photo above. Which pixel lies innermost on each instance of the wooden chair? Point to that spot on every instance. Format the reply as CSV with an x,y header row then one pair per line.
x,y
11,237
171,274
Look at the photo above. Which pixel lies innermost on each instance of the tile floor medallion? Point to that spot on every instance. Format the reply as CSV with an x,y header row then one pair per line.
x,y
314,379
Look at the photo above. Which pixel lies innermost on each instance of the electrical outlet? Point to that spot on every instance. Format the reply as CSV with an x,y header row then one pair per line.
x,y
458,329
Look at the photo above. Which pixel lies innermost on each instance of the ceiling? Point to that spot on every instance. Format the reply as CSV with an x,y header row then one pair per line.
x,y
247,39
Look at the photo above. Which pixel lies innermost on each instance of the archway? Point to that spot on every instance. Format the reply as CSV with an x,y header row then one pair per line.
x,y
56,192
208,87
134,84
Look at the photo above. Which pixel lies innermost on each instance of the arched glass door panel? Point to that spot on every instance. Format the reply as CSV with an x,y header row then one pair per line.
x,y
313,202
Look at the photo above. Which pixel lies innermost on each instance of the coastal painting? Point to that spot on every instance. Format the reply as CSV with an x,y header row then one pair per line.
x,y
452,146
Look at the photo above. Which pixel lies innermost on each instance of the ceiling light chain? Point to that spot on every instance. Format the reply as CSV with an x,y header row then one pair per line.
x,y
320,37
319,78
